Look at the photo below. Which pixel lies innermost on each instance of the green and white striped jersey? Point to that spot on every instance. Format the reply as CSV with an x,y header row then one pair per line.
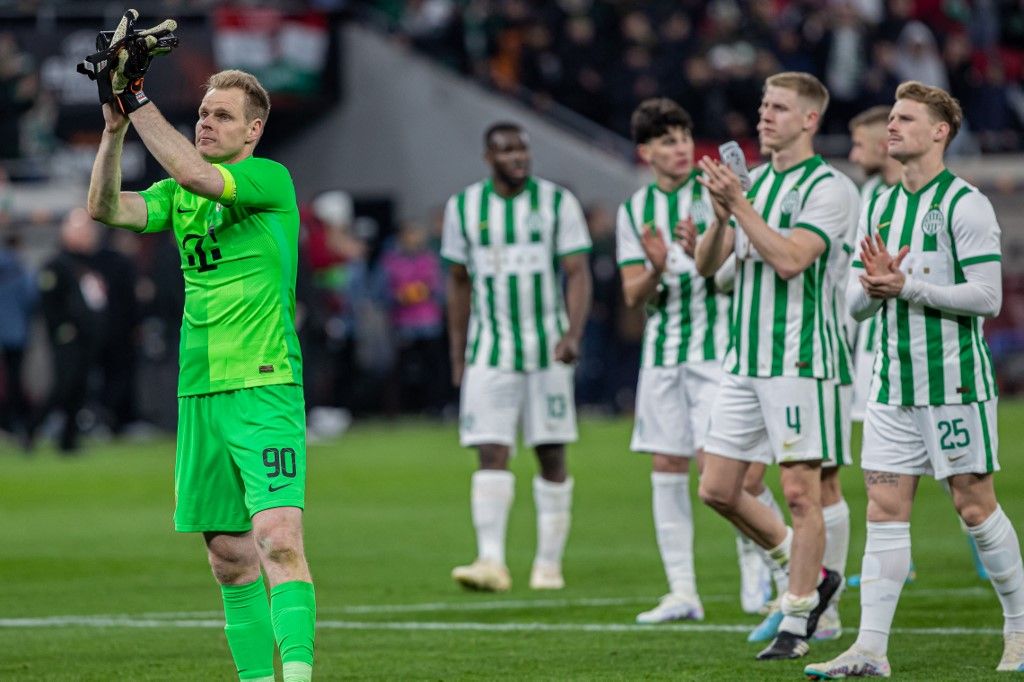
x,y
927,356
788,327
687,321
867,332
511,248
838,276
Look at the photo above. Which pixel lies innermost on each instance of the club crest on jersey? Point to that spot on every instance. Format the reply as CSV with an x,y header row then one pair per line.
x,y
791,201
534,222
698,212
932,222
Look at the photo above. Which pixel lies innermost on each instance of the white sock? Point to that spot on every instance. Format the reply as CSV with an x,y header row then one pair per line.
x,y
554,513
296,671
795,611
673,526
885,567
837,536
1000,555
777,559
491,497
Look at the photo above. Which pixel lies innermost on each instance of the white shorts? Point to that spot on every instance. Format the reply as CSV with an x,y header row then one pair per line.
x,y
673,407
771,419
494,402
931,440
837,425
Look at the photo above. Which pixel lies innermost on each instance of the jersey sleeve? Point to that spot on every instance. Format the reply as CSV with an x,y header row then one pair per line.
x,y
572,234
257,183
454,245
627,244
159,198
975,230
827,211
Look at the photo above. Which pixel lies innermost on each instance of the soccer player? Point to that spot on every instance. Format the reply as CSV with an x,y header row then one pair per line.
x,y
930,262
869,153
783,340
513,336
240,466
684,339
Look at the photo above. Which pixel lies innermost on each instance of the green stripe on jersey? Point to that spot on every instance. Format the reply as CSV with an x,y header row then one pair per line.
x,y
538,313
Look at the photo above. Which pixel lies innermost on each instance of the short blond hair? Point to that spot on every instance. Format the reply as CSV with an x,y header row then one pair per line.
x,y
804,84
941,105
257,101
871,117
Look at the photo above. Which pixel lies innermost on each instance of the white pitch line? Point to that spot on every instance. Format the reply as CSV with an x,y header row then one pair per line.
x,y
144,623
514,604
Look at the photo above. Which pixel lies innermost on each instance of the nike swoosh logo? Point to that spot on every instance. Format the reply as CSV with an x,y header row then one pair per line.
x,y
791,443
953,458
273,489
186,210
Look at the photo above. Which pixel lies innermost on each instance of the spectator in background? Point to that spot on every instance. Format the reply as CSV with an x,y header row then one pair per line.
x,y
17,300
337,260
74,305
117,358
410,284
845,48
918,57
17,93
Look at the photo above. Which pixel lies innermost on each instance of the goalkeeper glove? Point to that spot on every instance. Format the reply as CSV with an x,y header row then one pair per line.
x,y
133,61
123,57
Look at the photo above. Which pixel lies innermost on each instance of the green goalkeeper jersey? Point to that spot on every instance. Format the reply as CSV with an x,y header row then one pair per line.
x,y
239,257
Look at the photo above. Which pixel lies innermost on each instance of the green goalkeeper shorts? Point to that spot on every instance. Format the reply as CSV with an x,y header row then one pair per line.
x,y
239,453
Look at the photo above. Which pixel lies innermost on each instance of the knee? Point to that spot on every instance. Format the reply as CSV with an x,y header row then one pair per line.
x,y
233,568
279,545
800,500
973,512
718,498
493,456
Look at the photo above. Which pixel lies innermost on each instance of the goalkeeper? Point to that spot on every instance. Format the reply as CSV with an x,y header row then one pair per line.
x,y
240,466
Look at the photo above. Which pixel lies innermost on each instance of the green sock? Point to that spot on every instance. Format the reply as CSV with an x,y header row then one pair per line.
x,y
293,610
248,629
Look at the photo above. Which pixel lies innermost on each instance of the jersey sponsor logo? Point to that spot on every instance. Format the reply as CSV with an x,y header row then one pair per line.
x,y
266,369
932,222
206,259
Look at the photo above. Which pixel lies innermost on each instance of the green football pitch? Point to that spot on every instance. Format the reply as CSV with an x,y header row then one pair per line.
x,y
95,585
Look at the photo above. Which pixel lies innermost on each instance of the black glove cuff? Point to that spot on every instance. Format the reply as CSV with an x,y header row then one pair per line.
x,y
132,99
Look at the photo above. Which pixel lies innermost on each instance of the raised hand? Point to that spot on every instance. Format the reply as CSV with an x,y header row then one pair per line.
x,y
686,234
719,179
655,248
887,280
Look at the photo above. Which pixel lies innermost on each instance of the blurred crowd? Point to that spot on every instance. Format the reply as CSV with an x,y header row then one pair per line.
x,y
600,58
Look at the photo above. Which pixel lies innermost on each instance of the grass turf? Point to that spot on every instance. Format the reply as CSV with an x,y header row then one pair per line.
x,y
388,516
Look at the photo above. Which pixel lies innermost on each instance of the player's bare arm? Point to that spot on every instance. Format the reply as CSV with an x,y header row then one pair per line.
x,y
106,202
458,294
578,288
638,281
788,256
176,154
712,249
